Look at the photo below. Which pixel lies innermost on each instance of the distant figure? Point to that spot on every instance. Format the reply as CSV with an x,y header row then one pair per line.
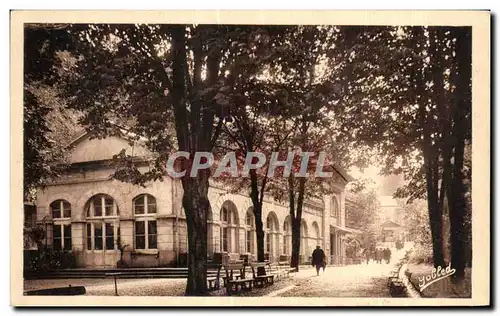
x,y
378,255
318,259
388,256
367,255
385,254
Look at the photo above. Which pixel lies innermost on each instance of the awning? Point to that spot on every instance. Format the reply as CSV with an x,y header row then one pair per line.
x,y
347,230
341,229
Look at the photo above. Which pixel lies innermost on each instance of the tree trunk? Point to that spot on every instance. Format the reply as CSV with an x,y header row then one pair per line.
x,y
259,232
457,200
430,155
257,211
196,205
296,217
294,263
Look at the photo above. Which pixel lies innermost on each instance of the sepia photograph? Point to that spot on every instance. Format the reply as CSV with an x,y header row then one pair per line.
x,y
257,161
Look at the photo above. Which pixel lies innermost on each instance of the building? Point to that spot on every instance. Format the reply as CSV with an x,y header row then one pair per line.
x,y
93,216
391,232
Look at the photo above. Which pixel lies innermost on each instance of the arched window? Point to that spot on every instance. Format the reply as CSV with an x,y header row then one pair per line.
x,y
272,235
61,229
228,231
60,209
210,232
335,212
145,231
101,205
317,234
287,236
304,249
102,223
144,204
250,230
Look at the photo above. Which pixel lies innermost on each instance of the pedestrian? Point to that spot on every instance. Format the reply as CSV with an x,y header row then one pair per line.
x,y
378,255
318,259
367,255
389,253
386,255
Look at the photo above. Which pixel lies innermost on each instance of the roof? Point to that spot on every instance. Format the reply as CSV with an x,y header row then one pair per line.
x,y
390,223
343,173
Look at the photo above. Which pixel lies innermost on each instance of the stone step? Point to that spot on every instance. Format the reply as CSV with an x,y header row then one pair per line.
x,y
124,273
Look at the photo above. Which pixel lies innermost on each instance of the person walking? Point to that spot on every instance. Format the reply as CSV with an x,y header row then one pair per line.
x,y
386,255
367,255
318,259
378,255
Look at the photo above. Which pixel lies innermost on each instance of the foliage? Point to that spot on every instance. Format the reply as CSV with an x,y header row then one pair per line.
x,y
416,221
363,215
33,236
48,126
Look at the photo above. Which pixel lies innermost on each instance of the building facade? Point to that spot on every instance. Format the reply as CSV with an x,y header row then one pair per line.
x,y
100,219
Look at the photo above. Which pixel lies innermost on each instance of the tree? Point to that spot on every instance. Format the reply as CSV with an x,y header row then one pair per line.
x,y
365,214
166,84
47,125
407,107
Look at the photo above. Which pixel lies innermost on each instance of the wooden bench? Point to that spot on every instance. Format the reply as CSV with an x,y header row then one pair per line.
x,y
235,279
278,270
262,279
285,265
214,282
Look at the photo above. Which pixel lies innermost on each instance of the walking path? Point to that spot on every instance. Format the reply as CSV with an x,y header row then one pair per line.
x,y
362,280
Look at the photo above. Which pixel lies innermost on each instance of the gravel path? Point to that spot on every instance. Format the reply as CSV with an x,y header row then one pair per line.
x,y
349,281
126,287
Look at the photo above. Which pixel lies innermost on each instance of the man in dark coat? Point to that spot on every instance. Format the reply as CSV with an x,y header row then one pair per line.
x,y
318,259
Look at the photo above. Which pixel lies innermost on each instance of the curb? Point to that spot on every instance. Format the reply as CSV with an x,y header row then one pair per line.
x,y
410,289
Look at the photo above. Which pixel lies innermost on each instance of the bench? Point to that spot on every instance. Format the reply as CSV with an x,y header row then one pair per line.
x,y
235,282
70,290
114,275
214,282
280,272
262,279
286,266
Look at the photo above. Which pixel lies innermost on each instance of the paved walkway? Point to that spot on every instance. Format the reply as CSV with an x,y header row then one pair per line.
x,y
364,280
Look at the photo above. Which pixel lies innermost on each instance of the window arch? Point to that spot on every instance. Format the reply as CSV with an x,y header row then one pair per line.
x,y
228,230
103,229
271,234
101,205
304,249
210,232
250,231
145,228
287,236
60,209
144,204
316,232
61,228
335,211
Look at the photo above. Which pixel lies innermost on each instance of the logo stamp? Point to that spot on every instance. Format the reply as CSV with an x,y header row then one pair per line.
x,y
437,274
